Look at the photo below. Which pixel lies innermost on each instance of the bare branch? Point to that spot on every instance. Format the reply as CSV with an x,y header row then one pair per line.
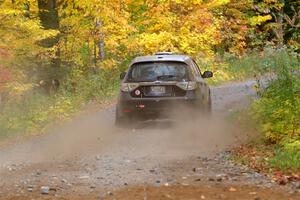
x,y
292,22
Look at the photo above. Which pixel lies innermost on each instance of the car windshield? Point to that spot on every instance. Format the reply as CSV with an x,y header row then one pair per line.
x,y
153,71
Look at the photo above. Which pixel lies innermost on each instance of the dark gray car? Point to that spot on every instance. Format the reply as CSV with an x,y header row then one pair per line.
x,y
156,85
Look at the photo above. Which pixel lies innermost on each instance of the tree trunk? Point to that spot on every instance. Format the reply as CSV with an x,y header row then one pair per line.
x,y
280,31
50,20
100,41
48,15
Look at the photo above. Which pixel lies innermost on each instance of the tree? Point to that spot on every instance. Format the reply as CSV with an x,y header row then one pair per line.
x,y
21,34
94,26
283,27
180,26
234,21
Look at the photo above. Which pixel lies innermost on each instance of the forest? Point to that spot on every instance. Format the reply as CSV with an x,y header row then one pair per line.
x,y
58,55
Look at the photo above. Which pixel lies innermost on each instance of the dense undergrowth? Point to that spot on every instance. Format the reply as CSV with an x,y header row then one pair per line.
x,y
34,111
276,114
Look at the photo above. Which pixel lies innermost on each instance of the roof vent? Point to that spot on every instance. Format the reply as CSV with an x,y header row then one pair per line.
x,y
163,53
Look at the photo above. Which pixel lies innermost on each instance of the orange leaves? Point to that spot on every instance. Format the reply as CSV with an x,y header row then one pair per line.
x,y
257,157
234,24
283,179
5,77
4,54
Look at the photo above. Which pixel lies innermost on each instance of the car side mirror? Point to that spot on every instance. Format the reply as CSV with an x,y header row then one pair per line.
x,y
122,75
208,74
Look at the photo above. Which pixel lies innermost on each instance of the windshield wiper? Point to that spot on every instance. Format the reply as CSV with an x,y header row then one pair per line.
x,y
166,76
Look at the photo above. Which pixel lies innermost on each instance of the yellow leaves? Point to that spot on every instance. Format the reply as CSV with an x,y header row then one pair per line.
x,y
18,89
201,3
151,43
108,63
258,20
181,26
221,74
20,30
192,42
89,21
189,2
36,31
61,109
9,12
217,3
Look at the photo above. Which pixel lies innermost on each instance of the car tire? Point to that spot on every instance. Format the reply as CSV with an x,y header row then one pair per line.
x,y
209,106
121,121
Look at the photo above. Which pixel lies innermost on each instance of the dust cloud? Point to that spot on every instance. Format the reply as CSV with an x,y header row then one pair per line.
x,y
97,134
88,136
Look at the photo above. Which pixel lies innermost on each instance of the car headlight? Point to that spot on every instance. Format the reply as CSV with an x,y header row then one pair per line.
x,y
191,85
129,87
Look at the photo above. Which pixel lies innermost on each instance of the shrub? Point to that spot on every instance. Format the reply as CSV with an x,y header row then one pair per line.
x,y
278,111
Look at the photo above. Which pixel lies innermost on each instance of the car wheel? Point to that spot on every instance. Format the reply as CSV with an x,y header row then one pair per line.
x,y
209,106
121,121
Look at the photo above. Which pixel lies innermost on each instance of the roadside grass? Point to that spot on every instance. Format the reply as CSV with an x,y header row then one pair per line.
x,y
275,116
286,161
34,112
268,158
277,160
287,156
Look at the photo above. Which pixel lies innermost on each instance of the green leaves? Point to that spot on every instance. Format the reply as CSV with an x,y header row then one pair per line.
x,y
278,111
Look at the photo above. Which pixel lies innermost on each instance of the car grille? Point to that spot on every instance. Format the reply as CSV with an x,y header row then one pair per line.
x,y
170,91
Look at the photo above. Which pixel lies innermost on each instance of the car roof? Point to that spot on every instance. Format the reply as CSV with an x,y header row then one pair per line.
x,y
155,58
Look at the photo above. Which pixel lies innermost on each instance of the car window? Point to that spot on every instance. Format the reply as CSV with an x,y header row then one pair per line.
x,y
152,71
196,69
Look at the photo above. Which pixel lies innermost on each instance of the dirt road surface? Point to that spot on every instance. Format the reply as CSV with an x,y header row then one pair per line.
x,y
92,159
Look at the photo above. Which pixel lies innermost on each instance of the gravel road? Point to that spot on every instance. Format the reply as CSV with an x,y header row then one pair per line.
x,y
90,158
